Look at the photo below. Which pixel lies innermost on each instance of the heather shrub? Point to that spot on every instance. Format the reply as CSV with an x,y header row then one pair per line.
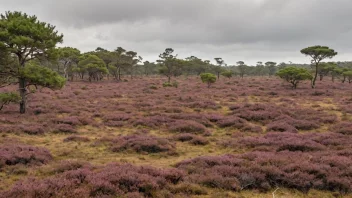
x,y
289,141
202,119
214,117
253,129
279,126
113,180
117,117
85,120
63,166
152,121
343,128
203,105
232,121
32,129
64,128
191,138
23,154
187,126
75,138
114,123
142,144
9,129
188,189
74,121
256,112
266,170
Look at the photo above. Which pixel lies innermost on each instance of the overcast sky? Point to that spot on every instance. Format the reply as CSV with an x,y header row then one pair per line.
x,y
247,30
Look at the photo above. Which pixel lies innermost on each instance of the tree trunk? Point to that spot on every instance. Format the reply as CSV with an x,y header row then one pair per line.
x,y
315,76
119,74
22,89
321,77
169,78
208,84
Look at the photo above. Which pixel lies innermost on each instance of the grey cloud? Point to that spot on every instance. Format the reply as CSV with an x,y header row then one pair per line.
x,y
234,29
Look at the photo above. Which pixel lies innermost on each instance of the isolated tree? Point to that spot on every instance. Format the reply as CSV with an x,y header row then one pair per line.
x,y
218,69
294,75
94,66
169,65
23,38
228,74
318,53
208,78
67,57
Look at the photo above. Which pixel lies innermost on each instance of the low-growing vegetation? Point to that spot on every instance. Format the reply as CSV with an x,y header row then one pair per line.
x,y
104,124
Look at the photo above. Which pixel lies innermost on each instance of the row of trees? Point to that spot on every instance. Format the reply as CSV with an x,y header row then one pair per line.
x,y
29,57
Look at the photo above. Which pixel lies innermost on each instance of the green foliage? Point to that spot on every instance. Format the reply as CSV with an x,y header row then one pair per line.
x,y
227,74
42,76
7,98
348,75
23,38
242,69
208,78
94,65
27,37
271,66
170,65
318,53
219,61
168,84
68,56
294,75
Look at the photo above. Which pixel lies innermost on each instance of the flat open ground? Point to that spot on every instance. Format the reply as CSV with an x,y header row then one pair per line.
x,y
240,138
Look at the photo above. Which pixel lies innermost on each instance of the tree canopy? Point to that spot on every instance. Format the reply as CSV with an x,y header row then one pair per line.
x,y
24,38
318,53
294,75
208,78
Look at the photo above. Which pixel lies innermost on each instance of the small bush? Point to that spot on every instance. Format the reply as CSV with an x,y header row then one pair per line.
x,y
281,127
173,84
74,121
343,128
232,121
142,144
188,126
22,154
76,139
32,129
266,170
188,189
64,128
191,138
114,180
